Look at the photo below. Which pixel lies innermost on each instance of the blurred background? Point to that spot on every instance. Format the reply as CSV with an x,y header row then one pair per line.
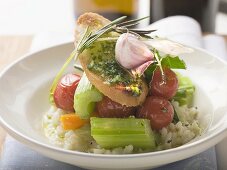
x,y
35,16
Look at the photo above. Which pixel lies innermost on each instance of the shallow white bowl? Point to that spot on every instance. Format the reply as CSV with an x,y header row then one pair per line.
x,y
24,88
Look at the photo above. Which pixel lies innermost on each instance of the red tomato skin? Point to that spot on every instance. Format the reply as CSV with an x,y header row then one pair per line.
x,y
166,87
64,92
158,110
110,109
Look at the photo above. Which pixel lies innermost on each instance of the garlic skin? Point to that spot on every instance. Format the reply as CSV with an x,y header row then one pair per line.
x,y
131,53
138,71
168,47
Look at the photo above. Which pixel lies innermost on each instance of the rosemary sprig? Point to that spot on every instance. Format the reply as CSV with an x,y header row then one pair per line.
x,y
131,25
85,35
89,41
142,31
78,67
131,21
116,26
114,22
75,55
90,37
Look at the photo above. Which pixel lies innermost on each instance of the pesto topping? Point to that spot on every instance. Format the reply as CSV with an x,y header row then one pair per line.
x,y
103,63
111,72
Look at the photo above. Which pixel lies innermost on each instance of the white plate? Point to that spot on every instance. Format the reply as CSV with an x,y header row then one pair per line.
x,y
24,88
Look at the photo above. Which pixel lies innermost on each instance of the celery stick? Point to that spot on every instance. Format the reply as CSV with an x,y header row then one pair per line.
x,y
185,91
85,97
116,132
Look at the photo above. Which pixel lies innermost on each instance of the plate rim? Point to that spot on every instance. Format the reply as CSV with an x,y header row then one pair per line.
x,y
221,133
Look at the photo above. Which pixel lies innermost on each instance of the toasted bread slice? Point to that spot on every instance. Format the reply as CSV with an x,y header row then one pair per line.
x,y
95,21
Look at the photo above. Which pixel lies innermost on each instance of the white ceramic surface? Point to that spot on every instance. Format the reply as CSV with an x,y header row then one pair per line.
x,y
24,88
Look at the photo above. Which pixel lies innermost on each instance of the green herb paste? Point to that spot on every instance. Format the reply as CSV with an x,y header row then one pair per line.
x,y
103,63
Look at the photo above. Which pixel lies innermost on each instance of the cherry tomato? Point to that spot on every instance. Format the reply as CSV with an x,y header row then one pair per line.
x,y
64,92
158,110
164,85
111,109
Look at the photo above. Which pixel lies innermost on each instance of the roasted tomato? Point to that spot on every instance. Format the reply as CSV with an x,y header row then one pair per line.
x,y
164,85
158,110
64,92
111,109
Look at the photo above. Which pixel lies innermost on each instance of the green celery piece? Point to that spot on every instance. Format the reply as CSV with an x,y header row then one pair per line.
x,y
85,97
185,91
117,132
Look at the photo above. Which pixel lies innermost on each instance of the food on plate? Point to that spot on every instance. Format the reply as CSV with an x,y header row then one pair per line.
x,y
158,110
72,121
128,99
164,85
108,108
64,92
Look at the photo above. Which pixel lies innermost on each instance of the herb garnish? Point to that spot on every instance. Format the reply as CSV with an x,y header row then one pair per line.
x,y
115,26
103,63
90,37
172,62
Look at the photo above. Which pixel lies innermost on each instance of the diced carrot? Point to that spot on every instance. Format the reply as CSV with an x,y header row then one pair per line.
x,y
72,121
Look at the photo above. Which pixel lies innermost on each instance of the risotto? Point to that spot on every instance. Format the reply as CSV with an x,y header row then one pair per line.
x,y
171,136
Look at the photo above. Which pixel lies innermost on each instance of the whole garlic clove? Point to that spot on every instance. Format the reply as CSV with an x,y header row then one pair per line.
x,y
130,52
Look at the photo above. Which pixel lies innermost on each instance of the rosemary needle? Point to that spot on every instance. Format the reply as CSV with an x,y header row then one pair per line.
x,y
89,37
